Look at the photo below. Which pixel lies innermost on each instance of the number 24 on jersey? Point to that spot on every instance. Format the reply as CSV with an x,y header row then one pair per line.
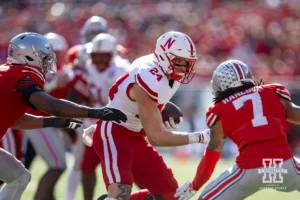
x,y
154,71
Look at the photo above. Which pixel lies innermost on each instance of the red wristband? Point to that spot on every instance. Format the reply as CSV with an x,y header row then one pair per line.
x,y
205,168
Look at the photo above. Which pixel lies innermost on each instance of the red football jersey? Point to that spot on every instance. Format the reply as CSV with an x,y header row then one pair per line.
x,y
12,105
255,120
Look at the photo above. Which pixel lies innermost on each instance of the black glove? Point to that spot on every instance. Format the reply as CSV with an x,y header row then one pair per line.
x,y
107,114
57,122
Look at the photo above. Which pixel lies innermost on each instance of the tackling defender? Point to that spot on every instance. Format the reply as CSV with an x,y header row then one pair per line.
x,y
254,116
30,56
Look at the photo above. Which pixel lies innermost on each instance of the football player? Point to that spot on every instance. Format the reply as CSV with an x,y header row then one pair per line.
x,y
254,116
30,57
141,93
77,57
103,67
48,142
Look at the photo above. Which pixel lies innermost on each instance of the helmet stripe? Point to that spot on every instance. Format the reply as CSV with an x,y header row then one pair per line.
x,y
239,71
191,46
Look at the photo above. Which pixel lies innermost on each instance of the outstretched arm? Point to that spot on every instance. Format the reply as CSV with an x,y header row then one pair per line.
x,y
64,108
207,164
28,121
211,156
152,123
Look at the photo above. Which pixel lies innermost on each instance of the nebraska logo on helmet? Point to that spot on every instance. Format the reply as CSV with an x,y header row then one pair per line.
x,y
168,52
169,42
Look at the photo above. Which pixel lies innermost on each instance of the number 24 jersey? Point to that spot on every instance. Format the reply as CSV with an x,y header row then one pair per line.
x,y
146,73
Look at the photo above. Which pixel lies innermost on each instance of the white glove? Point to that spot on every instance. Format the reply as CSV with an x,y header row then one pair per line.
x,y
87,135
206,136
171,125
185,192
199,137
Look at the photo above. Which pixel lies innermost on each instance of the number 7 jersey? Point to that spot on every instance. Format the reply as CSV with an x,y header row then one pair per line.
x,y
255,120
146,73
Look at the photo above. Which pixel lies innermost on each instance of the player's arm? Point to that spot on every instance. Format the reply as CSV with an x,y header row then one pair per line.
x,y
35,97
64,108
28,121
211,156
152,122
207,164
292,111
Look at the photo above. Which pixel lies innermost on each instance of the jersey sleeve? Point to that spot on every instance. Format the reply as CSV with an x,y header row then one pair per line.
x,y
211,116
29,80
148,83
30,76
281,91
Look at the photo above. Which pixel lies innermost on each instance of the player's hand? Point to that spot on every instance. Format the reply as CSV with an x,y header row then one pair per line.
x,y
88,134
205,136
199,137
171,125
107,114
185,192
58,122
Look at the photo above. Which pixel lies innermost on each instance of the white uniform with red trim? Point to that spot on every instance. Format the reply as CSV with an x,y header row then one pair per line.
x,y
100,82
148,75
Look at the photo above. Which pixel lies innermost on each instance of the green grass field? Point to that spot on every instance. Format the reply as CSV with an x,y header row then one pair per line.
x,y
183,170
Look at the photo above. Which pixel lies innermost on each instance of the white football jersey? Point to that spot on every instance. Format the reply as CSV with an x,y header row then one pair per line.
x,y
100,82
149,76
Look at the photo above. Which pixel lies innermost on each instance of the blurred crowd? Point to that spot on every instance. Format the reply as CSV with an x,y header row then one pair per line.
x,y
265,34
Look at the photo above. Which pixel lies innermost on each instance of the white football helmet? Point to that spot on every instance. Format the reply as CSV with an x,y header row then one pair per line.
x,y
58,42
230,74
92,27
172,46
32,49
104,43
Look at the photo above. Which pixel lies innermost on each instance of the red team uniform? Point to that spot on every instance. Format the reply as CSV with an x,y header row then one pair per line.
x,y
255,121
14,77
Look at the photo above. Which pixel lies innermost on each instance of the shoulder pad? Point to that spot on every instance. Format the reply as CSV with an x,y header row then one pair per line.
x,y
150,80
280,90
211,116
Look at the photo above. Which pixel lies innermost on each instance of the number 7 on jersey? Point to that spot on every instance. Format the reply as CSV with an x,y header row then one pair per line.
x,y
259,119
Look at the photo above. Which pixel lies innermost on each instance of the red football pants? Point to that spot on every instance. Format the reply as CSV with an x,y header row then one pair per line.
x,y
127,157
90,160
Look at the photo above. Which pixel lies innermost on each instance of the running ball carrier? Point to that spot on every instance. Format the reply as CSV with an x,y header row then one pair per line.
x,y
141,93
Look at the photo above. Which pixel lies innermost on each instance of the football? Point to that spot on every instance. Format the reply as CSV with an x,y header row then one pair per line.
x,y
171,110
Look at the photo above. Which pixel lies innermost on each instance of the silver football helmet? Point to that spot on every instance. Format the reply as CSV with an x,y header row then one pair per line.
x,y
92,27
230,74
32,49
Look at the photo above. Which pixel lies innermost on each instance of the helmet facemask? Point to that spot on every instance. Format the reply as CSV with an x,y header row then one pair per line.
x,y
47,62
176,70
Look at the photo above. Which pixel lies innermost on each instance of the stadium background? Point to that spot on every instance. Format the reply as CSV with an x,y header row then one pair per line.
x,y
265,34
